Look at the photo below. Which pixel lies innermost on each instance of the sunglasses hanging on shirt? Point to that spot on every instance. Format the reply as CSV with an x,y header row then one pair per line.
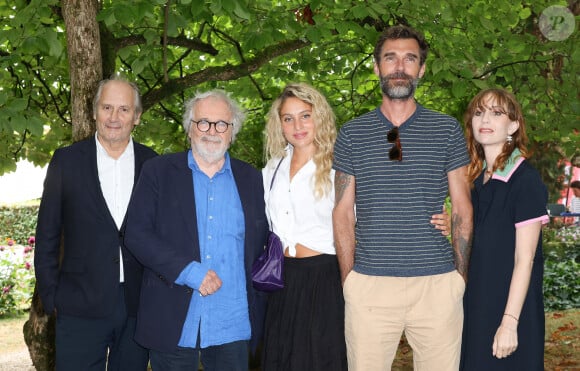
x,y
396,152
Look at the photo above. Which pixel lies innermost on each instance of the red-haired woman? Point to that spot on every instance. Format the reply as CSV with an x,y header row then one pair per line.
x,y
504,311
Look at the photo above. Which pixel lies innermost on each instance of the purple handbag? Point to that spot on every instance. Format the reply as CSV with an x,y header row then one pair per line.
x,y
268,269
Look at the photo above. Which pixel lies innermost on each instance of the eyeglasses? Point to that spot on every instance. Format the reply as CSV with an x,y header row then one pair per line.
x,y
396,151
204,125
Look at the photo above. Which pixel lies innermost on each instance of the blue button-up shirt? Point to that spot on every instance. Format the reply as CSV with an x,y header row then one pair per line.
x,y
223,316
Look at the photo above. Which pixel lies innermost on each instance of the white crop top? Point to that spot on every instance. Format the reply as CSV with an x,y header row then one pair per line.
x,y
295,215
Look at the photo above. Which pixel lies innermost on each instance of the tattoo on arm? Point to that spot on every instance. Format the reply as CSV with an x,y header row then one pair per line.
x,y
343,222
461,244
341,183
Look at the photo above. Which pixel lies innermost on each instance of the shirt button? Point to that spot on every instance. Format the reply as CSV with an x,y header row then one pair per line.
x,y
211,217
211,198
209,237
208,256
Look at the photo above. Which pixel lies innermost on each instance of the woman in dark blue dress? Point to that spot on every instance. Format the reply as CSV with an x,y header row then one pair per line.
x,y
504,311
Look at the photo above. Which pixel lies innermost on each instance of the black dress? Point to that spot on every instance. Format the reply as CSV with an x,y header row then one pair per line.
x,y
497,206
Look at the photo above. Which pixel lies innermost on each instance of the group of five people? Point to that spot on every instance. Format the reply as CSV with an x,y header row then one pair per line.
x,y
366,256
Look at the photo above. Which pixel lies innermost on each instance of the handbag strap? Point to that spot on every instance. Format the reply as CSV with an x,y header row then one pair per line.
x,y
275,172
272,182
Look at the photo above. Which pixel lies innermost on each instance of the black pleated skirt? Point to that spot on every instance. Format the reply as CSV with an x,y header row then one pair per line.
x,y
305,320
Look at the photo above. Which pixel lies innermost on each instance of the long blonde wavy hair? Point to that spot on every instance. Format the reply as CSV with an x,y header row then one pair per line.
x,y
325,124
513,110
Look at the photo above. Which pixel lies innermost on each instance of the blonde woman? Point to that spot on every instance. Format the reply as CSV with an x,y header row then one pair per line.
x,y
305,320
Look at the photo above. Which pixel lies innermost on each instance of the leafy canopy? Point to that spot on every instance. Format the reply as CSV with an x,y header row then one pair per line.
x,y
252,48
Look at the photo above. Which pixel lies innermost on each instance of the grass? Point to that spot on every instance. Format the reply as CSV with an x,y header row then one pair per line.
x,y
11,337
562,346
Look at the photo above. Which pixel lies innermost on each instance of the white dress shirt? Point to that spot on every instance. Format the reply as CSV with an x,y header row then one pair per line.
x,y
116,177
294,214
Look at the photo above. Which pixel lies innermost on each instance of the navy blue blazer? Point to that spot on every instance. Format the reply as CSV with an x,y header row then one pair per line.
x,y
73,211
162,233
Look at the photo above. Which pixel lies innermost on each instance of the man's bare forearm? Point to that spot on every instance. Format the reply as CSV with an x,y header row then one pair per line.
x,y
462,233
344,244
343,222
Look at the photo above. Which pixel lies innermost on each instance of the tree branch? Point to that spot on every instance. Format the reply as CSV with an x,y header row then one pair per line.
x,y
221,73
165,25
195,44
242,58
500,66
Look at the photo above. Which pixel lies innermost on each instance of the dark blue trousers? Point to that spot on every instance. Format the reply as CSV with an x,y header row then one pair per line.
x,y
225,357
90,343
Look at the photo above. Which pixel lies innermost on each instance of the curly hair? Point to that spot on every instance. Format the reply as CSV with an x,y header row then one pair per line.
x,y
513,110
325,124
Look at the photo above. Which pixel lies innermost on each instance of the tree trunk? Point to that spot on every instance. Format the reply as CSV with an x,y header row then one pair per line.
x,y
84,58
85,68
39,336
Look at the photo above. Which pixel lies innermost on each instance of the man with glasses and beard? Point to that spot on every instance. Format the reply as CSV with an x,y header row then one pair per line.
x,y
398,163
197,222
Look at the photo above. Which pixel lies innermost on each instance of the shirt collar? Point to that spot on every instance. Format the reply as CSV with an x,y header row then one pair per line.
x,y
511,165
103,152
385,120
192,164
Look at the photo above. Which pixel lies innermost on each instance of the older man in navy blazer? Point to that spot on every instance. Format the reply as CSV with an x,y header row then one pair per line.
x,y
197,222
93,287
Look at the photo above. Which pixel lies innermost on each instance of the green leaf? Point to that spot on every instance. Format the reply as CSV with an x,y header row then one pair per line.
x,y
175,21
124,14
466,73
487,24
459,88
525,13
107,16
200,12
313,34
18,104
139,65
480,84
360,11
151,36
55,47
241,10
35,125
18,123
216,7
575,57
143,10
435,66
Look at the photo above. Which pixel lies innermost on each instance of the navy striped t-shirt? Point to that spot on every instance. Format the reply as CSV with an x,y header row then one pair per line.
x,y
395,200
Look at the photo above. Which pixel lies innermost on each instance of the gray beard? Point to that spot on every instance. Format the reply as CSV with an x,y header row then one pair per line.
x,y
400,92
210,156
